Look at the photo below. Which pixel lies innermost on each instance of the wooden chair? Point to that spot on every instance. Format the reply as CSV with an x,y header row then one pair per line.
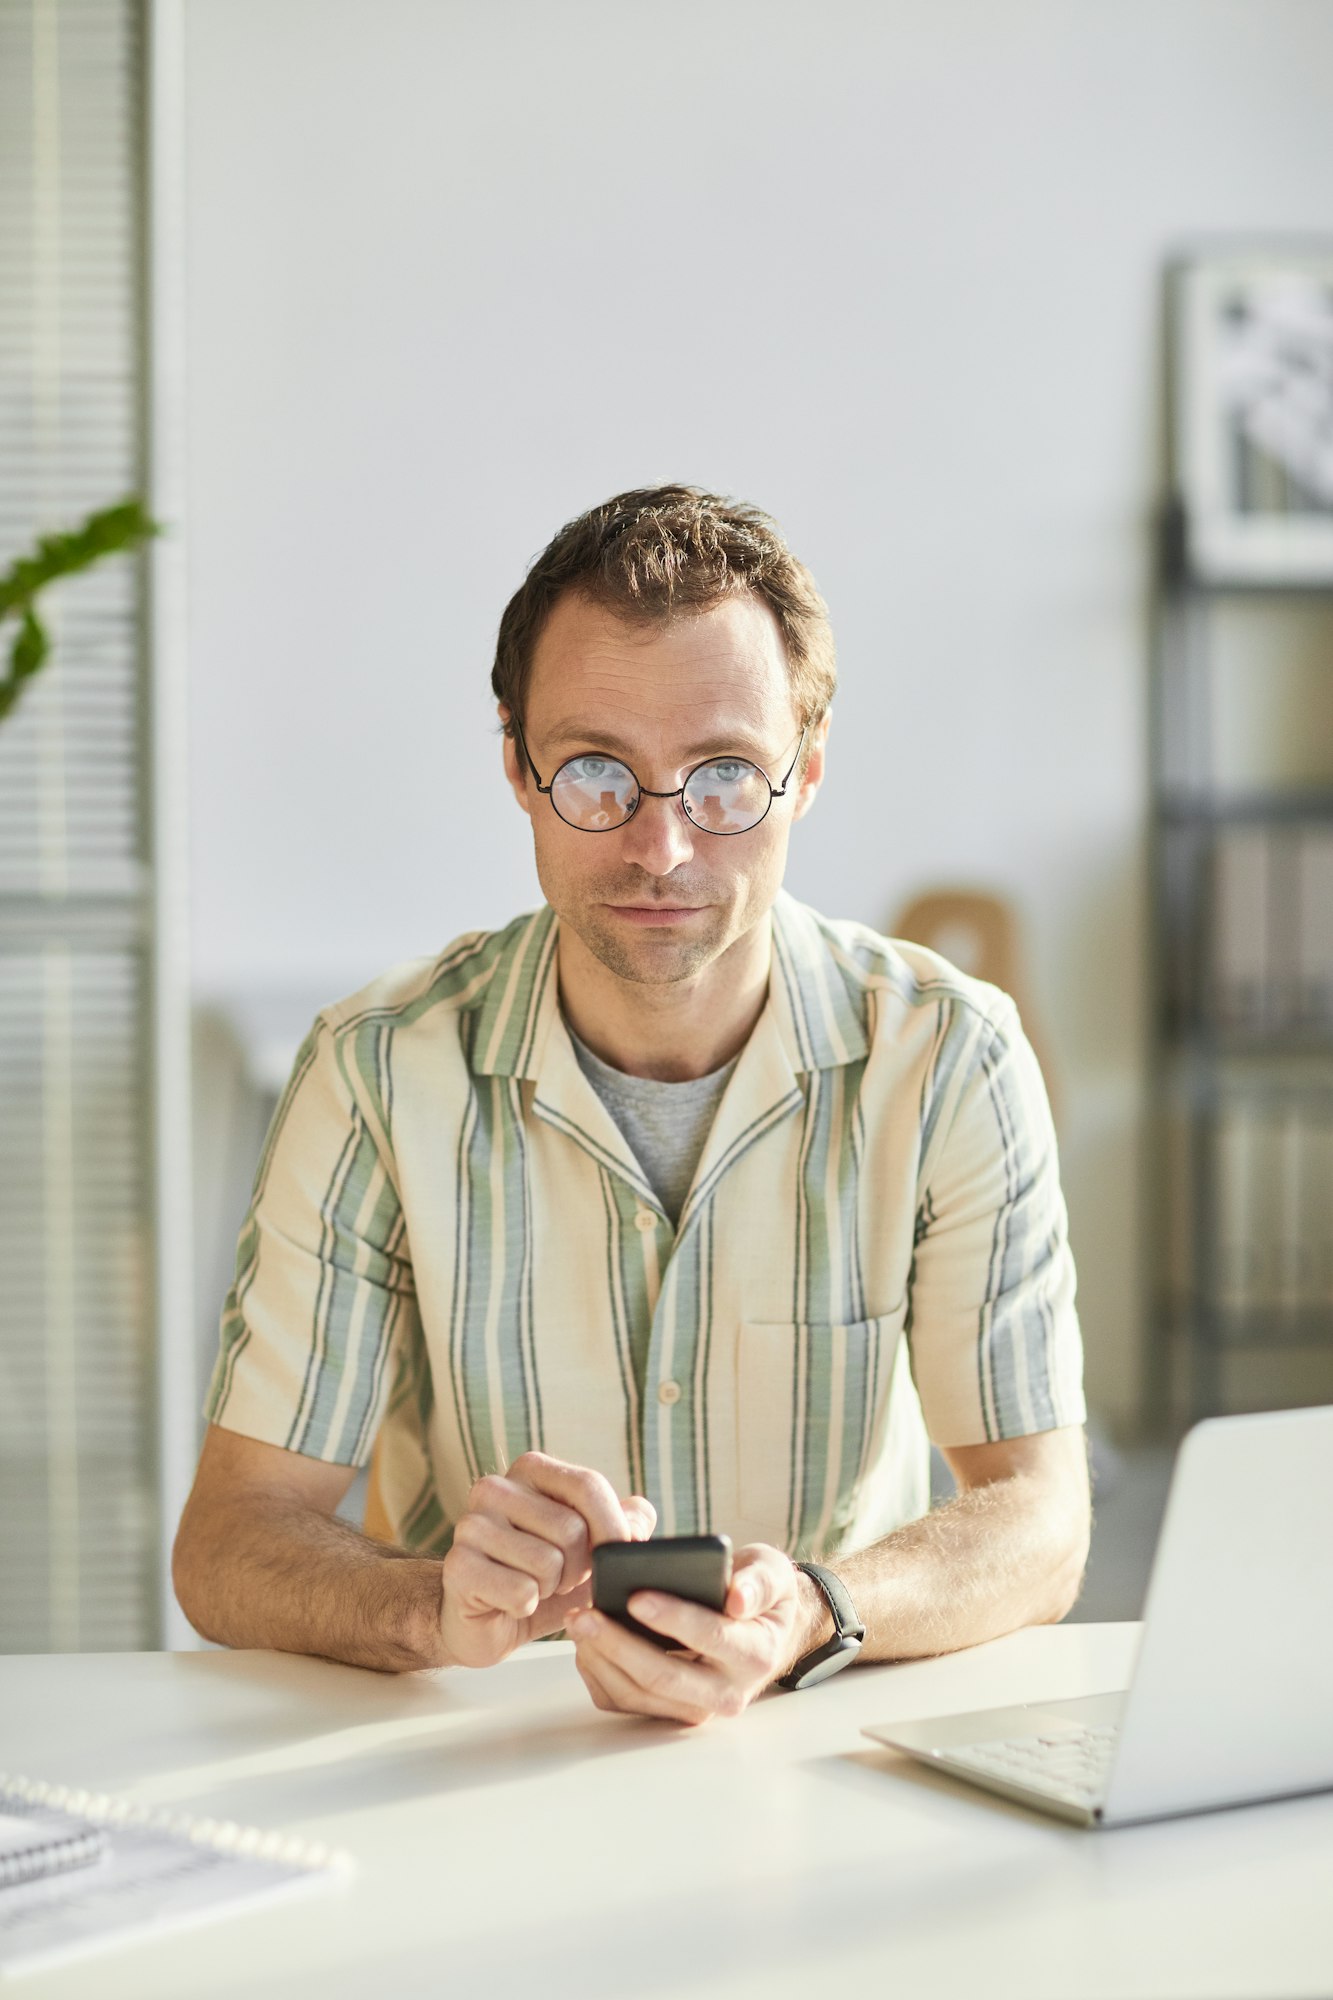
x,y
376,1522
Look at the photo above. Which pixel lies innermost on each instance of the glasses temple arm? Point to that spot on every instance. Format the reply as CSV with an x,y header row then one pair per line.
x,y
527,756
781,792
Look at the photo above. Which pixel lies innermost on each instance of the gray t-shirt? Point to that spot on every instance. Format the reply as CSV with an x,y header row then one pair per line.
x,y
665,1125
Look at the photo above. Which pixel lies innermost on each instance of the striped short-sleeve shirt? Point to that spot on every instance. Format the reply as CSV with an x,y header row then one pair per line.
x,y
451,1248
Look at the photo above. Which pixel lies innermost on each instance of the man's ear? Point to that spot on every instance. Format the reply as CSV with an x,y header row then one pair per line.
x,y
516,770
813,775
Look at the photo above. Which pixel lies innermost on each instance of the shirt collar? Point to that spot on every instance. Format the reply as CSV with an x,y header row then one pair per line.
x,y
818,1005
815,1010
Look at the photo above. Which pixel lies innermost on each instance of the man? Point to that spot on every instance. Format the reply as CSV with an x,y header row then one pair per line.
x,y
672,1206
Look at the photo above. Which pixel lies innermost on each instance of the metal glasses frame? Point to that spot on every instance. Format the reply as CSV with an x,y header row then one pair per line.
x,y
774,791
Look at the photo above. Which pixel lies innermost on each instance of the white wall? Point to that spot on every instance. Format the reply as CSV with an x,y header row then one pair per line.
x,y
891,270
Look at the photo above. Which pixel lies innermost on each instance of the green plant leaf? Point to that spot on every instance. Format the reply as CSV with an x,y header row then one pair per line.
x,y
30,648
106,533
102,534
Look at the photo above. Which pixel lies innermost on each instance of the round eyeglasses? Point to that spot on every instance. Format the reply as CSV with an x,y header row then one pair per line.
x,y
596,793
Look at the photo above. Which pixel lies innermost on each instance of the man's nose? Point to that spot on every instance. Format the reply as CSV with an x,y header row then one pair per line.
x,y
659,837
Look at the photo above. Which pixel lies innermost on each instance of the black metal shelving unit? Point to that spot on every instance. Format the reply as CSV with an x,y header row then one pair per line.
x,y
1223,1051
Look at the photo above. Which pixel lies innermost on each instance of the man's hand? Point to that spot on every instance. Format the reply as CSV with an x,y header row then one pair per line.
x,y
521,1560
731,1655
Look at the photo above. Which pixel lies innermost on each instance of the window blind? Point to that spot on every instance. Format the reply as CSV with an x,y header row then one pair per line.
x,y
78,1555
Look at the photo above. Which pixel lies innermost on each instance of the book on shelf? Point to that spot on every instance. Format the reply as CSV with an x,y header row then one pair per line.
x,y
1239,958
1273,1185
1270,950
1242,1167
1315,925
1315,1194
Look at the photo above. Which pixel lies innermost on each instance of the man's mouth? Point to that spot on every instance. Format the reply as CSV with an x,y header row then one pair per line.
x,y
656,913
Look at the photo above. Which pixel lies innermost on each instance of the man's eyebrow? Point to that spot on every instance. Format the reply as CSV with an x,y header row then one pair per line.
x,y
581,736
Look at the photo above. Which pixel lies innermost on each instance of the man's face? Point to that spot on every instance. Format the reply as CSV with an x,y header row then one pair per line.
x,y
658,900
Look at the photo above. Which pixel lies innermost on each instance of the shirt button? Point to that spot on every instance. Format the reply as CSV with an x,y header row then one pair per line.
x,y
645,1220
668,1392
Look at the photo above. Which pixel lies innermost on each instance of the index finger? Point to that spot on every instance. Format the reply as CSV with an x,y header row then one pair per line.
x,y
589,1494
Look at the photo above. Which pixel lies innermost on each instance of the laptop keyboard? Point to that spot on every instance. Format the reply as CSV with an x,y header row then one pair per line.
x,y
1074,1765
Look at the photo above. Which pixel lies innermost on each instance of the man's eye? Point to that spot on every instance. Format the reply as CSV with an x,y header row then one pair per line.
x,y
730,770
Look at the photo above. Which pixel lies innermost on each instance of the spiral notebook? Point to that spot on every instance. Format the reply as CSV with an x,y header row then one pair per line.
x,y
116,1871
32,1850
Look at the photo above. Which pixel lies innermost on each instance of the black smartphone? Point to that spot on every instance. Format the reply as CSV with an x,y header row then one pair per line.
x,y
694,1566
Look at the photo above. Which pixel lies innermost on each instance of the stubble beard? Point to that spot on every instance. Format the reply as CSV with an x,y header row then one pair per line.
x,y
651,957
652,961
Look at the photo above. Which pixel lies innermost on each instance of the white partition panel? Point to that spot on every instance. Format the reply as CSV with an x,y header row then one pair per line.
x,y
86,1112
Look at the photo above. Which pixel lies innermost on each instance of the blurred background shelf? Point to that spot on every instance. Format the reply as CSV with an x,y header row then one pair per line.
x,y
1241,1185
1266,808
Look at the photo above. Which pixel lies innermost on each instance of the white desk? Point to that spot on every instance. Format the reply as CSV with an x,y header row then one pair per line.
x,y
511,1840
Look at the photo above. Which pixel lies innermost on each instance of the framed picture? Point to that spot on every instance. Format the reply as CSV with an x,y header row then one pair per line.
x,y
1252,368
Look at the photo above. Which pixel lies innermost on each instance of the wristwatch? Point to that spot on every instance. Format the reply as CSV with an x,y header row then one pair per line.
x,y
848,1633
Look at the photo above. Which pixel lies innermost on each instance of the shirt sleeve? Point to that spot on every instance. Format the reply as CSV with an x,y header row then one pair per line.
x,y
992,1328
323,1295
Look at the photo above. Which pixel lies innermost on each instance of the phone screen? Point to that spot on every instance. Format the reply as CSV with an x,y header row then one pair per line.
x,y
697,1567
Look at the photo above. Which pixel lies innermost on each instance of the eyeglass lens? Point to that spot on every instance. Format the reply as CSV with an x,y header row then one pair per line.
x,y
597,793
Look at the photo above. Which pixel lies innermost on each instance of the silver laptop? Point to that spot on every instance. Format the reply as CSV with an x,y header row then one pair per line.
x,y
1231,1698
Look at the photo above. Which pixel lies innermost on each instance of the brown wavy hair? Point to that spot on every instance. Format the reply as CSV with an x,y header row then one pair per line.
x,y
659,551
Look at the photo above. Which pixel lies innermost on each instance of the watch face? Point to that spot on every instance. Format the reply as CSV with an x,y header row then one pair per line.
x,y
830,1659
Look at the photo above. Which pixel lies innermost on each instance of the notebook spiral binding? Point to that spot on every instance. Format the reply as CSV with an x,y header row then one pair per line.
x,y
64,1847
225,1836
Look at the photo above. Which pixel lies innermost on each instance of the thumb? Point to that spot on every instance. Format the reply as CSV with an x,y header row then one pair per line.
x,y
640,1517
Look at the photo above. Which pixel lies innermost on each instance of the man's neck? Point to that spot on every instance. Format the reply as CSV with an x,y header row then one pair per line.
x,y
672,1033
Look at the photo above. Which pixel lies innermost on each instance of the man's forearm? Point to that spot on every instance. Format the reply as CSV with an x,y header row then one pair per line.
x,y
987,1562
287,1577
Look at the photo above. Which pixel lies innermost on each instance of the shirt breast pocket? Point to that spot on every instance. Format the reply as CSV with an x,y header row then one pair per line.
x,y
812,1406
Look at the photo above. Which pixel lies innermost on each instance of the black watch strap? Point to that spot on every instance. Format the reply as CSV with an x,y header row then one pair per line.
x,y
848,1632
